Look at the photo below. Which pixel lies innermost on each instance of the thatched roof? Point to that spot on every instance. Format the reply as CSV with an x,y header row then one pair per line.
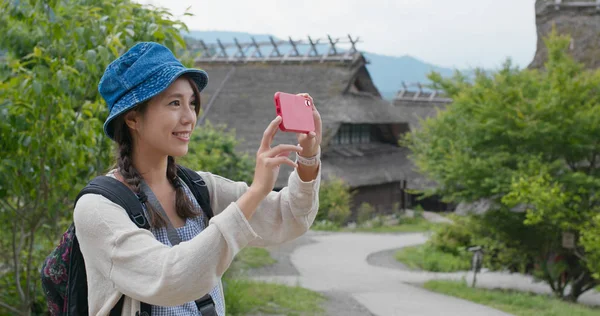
x,y
241,96
372,164
580,19
413,109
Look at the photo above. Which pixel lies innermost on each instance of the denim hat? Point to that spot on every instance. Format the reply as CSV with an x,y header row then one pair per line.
x,y
144,71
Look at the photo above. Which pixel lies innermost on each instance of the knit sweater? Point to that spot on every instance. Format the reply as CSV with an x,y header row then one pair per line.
x,y
122,259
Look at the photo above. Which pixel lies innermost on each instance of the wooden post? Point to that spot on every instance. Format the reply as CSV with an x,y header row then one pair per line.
x,y
402,196
275,48
240,51
223,50
418,92
294,48
205,49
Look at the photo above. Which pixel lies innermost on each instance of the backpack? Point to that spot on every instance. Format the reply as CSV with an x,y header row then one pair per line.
x,y
63,272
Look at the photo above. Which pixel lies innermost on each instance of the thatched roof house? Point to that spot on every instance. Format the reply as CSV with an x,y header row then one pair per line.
x,y
360,129
578,18
414,103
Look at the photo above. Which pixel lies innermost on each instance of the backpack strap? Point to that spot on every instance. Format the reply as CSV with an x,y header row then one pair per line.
x,y
198,187
118,193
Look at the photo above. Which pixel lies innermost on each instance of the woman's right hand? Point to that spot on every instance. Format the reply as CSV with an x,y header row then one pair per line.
x,y
269,160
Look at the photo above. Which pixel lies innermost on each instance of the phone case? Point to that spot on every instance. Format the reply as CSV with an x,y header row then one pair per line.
x,y
295,111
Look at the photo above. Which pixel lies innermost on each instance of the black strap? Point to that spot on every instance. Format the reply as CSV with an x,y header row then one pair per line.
x,y
118,193
118,309
206,306
195,182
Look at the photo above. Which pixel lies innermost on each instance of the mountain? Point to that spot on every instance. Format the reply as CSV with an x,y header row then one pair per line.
x,y
388,72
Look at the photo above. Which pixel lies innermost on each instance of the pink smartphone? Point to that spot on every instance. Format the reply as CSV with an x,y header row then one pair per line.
x,y
295,111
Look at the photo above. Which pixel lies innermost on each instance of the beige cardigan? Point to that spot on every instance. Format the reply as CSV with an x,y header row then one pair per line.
x,y
124,259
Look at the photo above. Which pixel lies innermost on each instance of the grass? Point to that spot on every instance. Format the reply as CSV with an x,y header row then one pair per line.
x,y
251,258
244,296
427,258
408,225
517,303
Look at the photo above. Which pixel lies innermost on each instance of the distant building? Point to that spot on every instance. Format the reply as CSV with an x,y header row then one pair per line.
x,y
578,18
360,130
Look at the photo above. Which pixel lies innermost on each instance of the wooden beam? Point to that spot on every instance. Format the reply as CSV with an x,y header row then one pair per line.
x,y
332,43
205,48
223,50
275,48
239,47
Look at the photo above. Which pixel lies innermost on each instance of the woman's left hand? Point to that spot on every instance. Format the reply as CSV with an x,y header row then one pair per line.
x,y
310,142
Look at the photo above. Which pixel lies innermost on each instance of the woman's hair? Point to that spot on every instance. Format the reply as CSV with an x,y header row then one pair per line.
x,y
132,177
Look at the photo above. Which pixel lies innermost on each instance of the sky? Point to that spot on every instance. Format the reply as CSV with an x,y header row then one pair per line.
x,y
455,34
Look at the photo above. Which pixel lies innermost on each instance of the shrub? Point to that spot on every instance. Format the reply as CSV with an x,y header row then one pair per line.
x,y
334,200
365,213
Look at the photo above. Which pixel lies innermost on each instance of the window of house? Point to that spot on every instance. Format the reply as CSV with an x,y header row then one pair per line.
x,y
354,134
365,134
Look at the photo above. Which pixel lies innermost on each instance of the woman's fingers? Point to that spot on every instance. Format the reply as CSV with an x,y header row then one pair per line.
x,y
279,160
282,149
269,134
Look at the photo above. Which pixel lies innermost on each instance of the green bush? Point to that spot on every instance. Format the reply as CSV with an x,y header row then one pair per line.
x,y
428,258
212,149
334,200
325,225
365,213
453,237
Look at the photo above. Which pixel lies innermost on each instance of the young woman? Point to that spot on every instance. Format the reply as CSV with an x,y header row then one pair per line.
x,y
154,102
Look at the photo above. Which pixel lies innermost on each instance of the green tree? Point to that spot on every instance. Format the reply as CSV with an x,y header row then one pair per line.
x,y
526,140
51,120
212,148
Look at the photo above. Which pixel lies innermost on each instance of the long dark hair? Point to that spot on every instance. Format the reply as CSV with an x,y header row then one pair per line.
x,y
124,165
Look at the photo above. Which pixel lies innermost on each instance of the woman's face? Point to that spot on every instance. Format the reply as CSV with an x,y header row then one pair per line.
x,y
168,121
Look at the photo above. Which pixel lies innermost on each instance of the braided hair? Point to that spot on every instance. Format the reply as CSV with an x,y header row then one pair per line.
x,y
131,176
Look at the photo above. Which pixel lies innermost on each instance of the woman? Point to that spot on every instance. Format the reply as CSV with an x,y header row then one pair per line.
x,y
154,102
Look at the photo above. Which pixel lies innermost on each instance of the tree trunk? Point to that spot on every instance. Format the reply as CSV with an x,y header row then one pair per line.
x,y
579,286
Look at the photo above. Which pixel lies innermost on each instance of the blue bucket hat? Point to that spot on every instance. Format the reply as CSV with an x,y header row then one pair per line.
x,y
144,71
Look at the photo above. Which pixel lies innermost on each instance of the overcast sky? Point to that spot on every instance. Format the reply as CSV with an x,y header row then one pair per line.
x,y
457,33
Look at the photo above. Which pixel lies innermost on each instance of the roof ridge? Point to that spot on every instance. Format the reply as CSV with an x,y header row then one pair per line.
x,y
280,51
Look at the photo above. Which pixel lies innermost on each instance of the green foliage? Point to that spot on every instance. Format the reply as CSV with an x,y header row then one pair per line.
x,y
212,149
452,238
513,302
418,211
247,297
335,198
590,240
325,225
428,258
249,258
244,296
524,139
51,117
365,213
